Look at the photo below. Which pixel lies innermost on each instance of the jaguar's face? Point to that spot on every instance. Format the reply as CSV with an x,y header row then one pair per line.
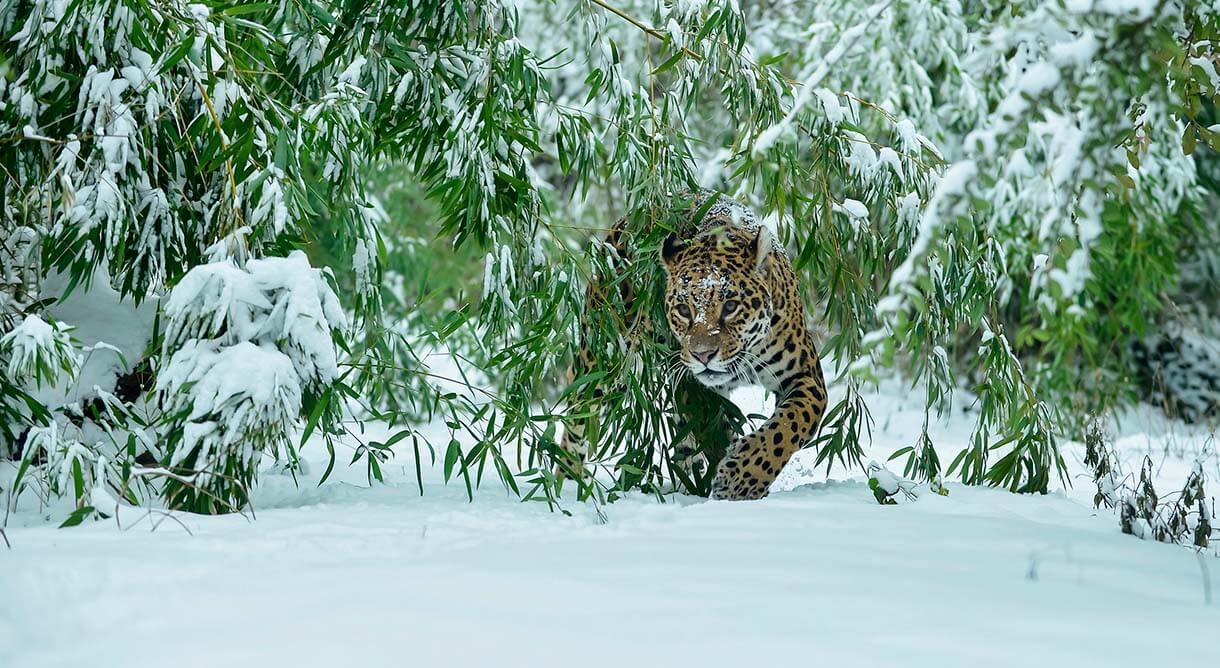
x,y
717,301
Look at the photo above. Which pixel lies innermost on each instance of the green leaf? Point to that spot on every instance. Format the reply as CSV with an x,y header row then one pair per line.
x,y
669,63
772,60
77,516
584,380
452,455
900,452
330,466
319,408
1190,137
239,10
177,53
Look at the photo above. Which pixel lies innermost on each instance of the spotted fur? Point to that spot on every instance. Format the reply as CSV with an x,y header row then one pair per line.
x,y
732,303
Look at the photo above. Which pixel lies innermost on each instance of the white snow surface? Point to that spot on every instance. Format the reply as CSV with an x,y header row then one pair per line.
x,y
816,574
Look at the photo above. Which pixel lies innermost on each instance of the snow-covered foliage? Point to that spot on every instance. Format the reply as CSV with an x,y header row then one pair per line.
x,y
277,302
18,269
1054,229
242,346
1065,167
18,291
886,485
39,351
33,353
138,137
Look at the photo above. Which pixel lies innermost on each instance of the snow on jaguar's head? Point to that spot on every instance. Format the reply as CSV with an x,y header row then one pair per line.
x,y
717,299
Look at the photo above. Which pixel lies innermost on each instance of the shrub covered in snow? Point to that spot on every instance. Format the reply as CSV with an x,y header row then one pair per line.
x,y
34,353
138,136
243,347
39,352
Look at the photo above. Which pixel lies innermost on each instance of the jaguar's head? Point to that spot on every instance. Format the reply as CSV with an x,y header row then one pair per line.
x,y
716,299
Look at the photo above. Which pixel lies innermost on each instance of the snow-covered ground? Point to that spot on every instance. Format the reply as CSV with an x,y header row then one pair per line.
x,y
818,573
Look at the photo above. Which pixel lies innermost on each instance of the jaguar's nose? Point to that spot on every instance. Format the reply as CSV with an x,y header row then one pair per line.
x,y
704,355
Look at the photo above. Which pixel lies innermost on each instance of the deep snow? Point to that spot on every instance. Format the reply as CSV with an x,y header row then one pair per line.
x,y
816,574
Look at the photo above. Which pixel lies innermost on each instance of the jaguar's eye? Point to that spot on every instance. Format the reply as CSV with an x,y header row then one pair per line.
x,y
683,310
730,307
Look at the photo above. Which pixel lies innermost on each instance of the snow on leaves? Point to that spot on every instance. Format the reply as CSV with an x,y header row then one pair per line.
x,y
242,344
236,399
279,302
39,351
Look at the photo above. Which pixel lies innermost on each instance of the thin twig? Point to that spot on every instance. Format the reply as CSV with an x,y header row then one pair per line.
x,y
224,145
641,25
168,515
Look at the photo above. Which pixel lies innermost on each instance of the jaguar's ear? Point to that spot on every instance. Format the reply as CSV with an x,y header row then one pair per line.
x,y
757,247
670,250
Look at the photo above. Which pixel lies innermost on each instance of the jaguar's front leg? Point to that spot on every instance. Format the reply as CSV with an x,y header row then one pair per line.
x,y
754,460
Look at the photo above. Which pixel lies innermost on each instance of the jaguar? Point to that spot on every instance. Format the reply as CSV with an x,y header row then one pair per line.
x,y
733,306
